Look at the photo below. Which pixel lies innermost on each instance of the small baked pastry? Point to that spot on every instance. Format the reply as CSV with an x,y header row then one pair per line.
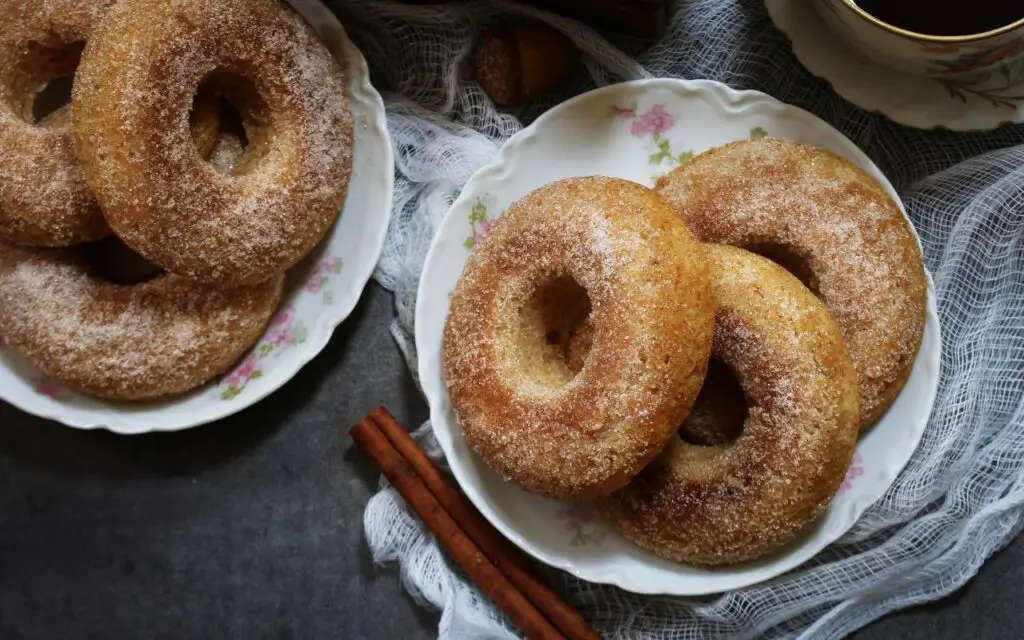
x,y
722,504
150,340
600,246
44,199
132,95
833,226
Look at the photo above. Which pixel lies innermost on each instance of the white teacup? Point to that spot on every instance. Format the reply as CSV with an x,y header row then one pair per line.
x,y
922,54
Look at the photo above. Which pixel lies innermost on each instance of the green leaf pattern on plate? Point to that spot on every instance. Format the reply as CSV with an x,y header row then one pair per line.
x,y
479,224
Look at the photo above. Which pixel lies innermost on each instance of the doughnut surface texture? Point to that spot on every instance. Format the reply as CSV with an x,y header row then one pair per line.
x,y
836,227
603,246
44,199
728,503
132,96
147,341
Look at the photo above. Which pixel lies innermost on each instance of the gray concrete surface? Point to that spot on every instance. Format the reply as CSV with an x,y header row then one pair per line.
x,y
252,527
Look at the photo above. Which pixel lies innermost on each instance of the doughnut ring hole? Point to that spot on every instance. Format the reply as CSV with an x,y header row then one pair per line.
x,y
113,261
55,96
720,411
245,124
790,259
41,83
547,321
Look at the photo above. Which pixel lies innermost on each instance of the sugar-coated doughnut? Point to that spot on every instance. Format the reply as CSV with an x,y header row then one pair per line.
x,y
603,246
44,199
833,226
151,340
722,504
131,98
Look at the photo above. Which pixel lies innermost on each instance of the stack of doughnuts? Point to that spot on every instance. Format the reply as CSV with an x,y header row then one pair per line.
x,y
144,164
697,360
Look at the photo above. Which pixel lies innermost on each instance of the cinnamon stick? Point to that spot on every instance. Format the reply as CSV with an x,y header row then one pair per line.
x,y
482,571
504,556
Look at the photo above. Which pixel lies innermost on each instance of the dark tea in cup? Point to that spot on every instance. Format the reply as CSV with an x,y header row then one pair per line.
x,y
945,17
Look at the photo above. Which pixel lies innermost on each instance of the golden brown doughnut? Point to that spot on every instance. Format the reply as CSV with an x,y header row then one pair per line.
x,y
723,504
204,122
834,227
44,199
603,246
131,97
145,341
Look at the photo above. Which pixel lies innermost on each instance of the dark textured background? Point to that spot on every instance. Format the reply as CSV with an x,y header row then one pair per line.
x,y
252,527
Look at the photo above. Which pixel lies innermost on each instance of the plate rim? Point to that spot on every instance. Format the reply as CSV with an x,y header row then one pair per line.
x,y
323,329
435,389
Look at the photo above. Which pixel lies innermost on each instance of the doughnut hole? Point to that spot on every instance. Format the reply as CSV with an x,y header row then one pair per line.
x,y
244,123
546,328
720,411
577,346
40,83
789,259
49,102
113,261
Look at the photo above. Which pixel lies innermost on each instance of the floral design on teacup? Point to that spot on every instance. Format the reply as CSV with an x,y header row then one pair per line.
x,y
581,521
1003,88
977,57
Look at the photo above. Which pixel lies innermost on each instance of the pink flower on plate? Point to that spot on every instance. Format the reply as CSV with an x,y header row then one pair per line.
x,y
577,518
855,471
244,372
640,129
654,121
281,338
316,283
47,388
626,113
283,319
485,226
282,323
327,265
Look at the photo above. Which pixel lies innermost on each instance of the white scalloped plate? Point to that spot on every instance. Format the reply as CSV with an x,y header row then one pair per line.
x,y
982,103
322,291
639,130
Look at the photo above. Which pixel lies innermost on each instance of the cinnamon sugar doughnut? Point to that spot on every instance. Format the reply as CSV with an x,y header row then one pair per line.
x,y
204,122
724,504
133,90
602,246
44,199
832,225
137,342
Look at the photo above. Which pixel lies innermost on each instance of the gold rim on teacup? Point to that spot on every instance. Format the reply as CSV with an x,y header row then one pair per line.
x,y
913,35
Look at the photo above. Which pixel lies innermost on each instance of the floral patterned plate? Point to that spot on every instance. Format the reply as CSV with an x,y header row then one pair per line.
x,y
322,291
979,103
638,131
